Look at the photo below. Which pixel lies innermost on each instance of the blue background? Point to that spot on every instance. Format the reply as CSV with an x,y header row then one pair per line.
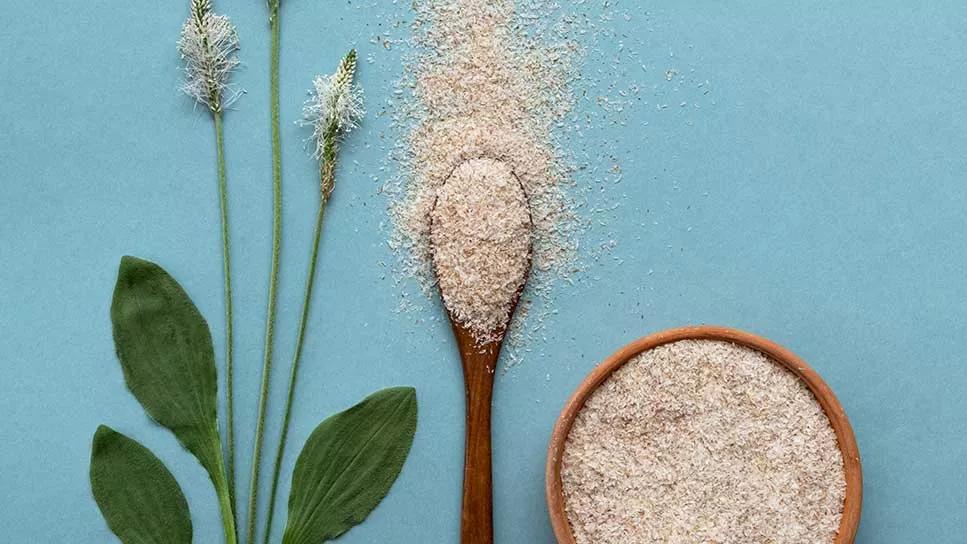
x,y
815,196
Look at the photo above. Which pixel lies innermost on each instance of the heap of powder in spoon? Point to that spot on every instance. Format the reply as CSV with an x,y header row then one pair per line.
x,y
481,240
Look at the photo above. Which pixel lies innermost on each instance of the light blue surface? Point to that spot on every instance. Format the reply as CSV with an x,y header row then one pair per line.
x,y
816,196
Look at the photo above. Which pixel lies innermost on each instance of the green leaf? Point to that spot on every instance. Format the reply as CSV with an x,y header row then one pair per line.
x,y
348,464
165,349
139,498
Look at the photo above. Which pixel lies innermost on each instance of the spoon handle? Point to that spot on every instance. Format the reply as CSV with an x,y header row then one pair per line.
x,y
479,362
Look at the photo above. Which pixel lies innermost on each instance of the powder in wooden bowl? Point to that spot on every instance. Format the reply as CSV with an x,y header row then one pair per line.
x,y
702,441
481,243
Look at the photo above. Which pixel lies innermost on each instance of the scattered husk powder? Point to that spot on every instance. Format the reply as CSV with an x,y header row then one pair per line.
x,y
481,239
484,85
707,442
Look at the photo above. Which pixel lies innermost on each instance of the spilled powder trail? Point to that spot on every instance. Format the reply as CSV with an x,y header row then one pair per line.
x,y
703,441
484,87
481,239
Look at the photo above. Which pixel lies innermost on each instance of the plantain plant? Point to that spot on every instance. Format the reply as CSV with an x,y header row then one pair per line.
x,y
164,346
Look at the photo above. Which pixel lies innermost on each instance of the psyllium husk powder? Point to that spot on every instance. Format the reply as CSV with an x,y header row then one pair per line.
x,y
485,84
703,441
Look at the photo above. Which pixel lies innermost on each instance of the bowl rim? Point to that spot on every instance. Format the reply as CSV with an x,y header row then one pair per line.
x,y
853,500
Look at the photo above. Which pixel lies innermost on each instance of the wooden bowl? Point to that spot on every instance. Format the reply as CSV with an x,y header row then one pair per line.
x,y
822,392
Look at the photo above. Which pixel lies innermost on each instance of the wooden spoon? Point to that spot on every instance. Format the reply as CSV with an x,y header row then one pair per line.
x,y
479,364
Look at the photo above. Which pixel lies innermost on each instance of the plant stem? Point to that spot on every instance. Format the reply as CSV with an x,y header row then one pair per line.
x,y
294,372
274,275
226,504
227,273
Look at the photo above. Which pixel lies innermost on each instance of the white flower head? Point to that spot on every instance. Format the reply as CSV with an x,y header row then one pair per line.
x,y
335,106
208,46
